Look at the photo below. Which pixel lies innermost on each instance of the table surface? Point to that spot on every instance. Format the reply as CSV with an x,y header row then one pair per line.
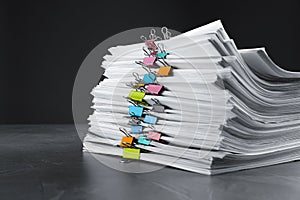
x,y
46,162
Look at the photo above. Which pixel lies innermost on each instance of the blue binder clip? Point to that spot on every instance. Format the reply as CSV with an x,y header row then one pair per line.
x,y
150,119
136,129
135,111
149,78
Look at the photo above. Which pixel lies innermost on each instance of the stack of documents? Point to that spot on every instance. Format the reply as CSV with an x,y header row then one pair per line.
x,y
197,103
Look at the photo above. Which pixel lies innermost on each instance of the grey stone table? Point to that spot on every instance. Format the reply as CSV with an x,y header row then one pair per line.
x,y
46,162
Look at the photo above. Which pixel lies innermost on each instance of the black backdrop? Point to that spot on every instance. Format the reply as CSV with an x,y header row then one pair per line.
x,y
44,42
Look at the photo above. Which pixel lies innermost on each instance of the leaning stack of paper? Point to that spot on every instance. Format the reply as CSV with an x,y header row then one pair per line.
x,y
196,102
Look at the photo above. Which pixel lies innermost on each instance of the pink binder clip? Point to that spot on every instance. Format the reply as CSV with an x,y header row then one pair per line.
x,y
149,60
154,89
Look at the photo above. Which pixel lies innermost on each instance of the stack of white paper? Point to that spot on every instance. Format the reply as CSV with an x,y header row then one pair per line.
x,y
225,109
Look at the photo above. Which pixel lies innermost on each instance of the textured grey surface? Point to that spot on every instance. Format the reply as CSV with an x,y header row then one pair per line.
x,y
45,162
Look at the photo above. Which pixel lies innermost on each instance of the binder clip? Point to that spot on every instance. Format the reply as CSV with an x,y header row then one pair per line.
x,y
154,89
150,77
150,119
162,54
136,95
150,44
157,107
126,141
144,140
136,129
131,153
154,135
134,121
164,71
143,103
136,103
135,111
149,60
137,86
140,85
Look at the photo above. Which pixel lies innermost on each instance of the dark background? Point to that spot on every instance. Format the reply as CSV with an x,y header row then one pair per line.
x,y
44,42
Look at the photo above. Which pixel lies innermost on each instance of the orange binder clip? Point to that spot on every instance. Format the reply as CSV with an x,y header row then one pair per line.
x,y
164,71
126,142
